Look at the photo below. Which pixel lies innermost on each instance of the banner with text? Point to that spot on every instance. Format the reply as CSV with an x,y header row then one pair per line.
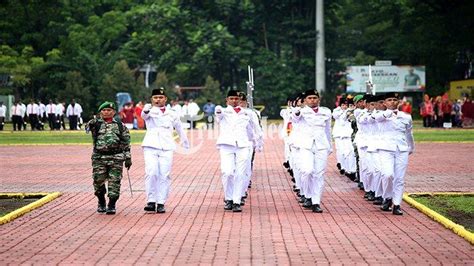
x,y
386,78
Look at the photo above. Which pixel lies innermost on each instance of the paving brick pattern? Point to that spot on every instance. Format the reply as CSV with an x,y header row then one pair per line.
x,y
272,229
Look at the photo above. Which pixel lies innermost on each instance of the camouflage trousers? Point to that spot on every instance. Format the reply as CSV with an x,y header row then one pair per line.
x,y
107,168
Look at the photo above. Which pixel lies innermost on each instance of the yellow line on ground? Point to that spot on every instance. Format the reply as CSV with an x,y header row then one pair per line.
x,y
25,209
456,228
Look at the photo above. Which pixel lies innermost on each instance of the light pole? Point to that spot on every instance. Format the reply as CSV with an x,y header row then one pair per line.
x,y
320,76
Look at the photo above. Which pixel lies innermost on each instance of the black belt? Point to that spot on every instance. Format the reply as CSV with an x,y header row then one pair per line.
x,y
107,152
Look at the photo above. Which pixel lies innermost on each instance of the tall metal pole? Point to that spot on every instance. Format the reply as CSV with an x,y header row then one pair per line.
x,y
320,53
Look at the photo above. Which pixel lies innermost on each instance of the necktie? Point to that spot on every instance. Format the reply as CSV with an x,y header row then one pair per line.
x,y
315,109
237,109
162,109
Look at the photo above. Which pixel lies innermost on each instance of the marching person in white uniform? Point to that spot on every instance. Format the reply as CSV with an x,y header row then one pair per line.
x,y
313,142
235,143
397,135
158,146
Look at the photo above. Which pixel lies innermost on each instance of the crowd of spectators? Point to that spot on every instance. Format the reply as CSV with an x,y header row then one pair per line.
x,y
440,110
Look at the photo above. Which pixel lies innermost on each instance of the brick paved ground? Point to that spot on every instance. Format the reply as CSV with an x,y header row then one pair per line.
x,y
272,228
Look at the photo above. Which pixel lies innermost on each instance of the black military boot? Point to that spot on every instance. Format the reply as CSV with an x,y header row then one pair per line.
x,y
307,203
228,205
150,207
100,194
236,208
397,210
386,205
101,205
111,206
160,208
316,208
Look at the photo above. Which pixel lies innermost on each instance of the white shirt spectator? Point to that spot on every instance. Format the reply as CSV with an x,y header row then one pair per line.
x,y
32,108
74,110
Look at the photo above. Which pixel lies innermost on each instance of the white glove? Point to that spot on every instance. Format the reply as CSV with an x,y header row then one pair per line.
x,y
147,107
296,110
185,144
387,113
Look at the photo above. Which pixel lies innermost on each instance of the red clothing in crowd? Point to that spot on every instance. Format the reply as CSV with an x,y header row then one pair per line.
x,y
127,115
406,107
426,109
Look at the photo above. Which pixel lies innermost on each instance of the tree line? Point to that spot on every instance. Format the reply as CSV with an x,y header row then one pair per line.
x,y
89,50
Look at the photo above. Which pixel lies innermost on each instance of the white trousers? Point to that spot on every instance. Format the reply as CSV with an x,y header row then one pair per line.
x,y
234,167
294,158
157,174
312,164
393,168
363,168
349,161
339,155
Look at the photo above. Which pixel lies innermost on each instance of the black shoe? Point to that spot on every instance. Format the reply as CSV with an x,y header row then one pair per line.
x,y
101,208
397,210
150,207
242,201
361,186
351,176
301,199
290,171
250,184
296,189
378,201
111,207
342,171
366,195
316,208
298,194
160,208
371,196
286,164
236,208
245,196
307,203
338,165
386,205
228,205
293,180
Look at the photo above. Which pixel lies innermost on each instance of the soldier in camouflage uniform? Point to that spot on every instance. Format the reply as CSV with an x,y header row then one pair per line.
x,y
111,150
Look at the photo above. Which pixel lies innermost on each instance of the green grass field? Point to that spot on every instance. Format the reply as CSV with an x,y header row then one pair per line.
x,y
9,137
457,208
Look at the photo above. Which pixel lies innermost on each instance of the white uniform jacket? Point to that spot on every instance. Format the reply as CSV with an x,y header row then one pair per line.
x,y
342,127
235,129
361,135
312,128
396,130
160,127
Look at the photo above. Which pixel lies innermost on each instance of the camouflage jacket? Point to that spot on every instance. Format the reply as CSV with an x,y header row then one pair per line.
x,y
109,138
